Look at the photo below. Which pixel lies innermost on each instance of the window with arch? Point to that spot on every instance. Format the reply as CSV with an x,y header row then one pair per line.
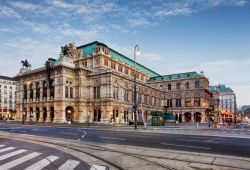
x,y
197,84
169,86
178,86
187,85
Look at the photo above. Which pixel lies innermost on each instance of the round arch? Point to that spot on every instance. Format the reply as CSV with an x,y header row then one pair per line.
x,y
69,113
187,116
44,114
197,117
37,114
52,113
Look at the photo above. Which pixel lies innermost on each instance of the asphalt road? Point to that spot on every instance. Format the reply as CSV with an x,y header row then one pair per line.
x,y
202,144
20,155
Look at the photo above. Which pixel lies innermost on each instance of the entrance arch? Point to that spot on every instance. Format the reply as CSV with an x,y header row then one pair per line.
x,y
37,114
44,114
97,115
197,117
52,114
187,116
69,113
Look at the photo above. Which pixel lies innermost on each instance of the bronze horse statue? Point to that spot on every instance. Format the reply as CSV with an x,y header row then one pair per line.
x,y
26,64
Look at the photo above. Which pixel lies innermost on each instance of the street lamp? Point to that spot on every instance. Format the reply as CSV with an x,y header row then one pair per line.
x,y
88,117
136,53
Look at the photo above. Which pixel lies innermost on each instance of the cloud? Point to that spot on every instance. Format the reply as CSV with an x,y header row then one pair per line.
x,y
138,22
37,27
8,12
61,4
174,12
24,5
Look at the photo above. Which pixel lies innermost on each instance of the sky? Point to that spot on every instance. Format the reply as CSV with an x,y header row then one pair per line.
x,y
174,36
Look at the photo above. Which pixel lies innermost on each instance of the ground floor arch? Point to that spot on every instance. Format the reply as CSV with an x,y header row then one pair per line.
x,y
44,114
187,116
197,117
52,114
97,115
37,114
69,113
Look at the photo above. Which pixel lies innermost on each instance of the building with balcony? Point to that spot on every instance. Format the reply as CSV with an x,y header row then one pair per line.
x,y
7,97
95,83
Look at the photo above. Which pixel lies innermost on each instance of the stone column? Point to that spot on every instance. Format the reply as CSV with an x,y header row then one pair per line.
x,y
48,119
41,114
27,114
34,114
192,117
41,90
59,116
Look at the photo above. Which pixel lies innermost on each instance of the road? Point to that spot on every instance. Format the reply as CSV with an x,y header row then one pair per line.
x,y
195,143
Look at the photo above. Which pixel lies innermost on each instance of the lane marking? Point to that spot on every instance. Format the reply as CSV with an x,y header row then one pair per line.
x,y
19,161
188,146
69,165
65,133
39,130
2,145
3,157
6,149
43,163
104,137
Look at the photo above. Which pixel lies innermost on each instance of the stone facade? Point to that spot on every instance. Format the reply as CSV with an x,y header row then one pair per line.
x,y
95,83
187,95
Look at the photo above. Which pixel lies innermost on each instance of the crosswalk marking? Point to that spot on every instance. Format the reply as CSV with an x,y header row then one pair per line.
x,y
43,163
19,161
6,149
12,154
70,164
2,145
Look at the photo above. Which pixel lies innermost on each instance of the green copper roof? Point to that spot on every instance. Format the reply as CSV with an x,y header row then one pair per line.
x,y
88,49
177,76
221,89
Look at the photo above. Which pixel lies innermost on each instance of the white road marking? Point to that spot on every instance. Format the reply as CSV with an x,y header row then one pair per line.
x,y
70,164
19,161
43,163
68,133
6,149
98,167
12,154
103,137
2,145
188,146
39,130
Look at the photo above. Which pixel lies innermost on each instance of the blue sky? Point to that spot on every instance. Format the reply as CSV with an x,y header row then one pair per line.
x,y
174,35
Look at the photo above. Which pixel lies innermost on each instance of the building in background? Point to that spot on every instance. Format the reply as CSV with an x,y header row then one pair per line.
x,y
186,95
7,97
228,105
93,82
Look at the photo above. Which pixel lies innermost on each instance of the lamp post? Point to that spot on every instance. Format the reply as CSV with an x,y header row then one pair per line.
x,y
136,53
88,118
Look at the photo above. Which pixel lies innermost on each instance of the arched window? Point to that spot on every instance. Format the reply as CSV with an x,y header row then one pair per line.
x,y
197,84
187,85
169,86
178,86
